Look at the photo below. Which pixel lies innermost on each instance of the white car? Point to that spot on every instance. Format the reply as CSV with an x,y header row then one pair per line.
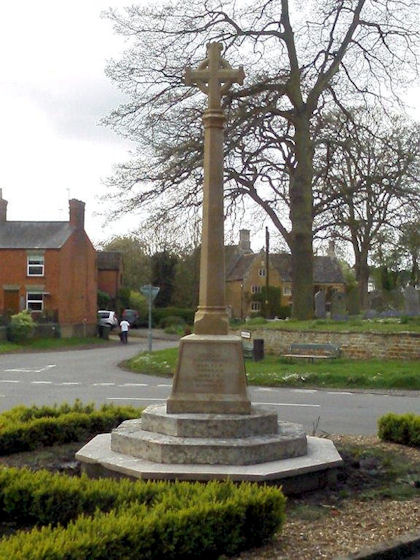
x,y
107,319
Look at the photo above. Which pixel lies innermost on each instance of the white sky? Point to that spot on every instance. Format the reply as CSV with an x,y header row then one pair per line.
x,y
53,92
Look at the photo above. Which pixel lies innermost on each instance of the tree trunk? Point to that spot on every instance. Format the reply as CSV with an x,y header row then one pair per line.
x,y
362,276
301,218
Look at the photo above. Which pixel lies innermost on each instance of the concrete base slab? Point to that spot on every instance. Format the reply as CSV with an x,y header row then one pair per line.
x,y
313,469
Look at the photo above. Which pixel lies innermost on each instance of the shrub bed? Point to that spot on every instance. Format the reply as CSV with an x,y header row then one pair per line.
x,y
28,428
134,520
400,428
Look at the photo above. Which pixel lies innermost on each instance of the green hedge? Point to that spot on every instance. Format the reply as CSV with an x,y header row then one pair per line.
x,y
160,313
146,520
400,428
28,428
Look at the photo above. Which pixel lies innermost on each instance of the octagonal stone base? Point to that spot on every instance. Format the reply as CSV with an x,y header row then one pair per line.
x,y
211,446
298,474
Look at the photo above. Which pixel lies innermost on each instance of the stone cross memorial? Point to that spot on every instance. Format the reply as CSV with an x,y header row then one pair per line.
x,y
208,428
210,376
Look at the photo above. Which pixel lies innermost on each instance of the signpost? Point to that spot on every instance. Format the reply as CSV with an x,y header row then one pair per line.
x,y
150,292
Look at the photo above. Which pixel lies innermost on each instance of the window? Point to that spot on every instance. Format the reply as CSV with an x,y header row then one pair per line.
x,y
255,306
261,272
287,291
35,265
34,301
255,289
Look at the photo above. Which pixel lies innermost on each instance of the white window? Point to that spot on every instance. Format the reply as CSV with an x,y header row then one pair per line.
x,y
255,306
34,301
287,291
255,289
261,272
35,265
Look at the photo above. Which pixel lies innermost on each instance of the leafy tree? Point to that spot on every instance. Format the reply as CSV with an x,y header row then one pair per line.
x,y
409,244
300,60
136,260
103,300
163,275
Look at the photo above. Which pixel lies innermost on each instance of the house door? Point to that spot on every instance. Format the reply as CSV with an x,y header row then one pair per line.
x,y
11,301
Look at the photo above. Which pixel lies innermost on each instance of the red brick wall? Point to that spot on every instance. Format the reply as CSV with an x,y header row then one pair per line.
x,y
70,279
109,282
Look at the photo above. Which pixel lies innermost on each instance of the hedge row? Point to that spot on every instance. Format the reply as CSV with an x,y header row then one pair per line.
x,y
26,429
161,313
148,520
400,428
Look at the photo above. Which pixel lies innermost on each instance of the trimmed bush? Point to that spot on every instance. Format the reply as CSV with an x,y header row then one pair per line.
x,y
160,313
21,327
400,428
171,321
147,520
28,428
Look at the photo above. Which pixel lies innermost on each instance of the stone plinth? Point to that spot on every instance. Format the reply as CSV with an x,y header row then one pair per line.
x,y
210,377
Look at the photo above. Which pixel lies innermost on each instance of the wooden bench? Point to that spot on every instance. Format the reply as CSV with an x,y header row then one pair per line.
x,y
313,351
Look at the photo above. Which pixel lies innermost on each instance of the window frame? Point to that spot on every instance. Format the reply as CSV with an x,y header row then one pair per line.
x,y
32,301
40,265
255,306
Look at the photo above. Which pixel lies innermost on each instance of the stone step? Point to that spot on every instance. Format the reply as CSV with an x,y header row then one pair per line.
x,y
129,440
259,422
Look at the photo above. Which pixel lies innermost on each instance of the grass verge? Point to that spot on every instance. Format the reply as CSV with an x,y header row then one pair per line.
x,y
275,371
51,343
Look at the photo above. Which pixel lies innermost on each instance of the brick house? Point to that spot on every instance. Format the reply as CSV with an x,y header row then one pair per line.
x,y
110,267
49,268
246,276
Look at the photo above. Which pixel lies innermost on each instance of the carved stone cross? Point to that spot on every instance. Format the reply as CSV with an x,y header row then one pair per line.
x,y
214,71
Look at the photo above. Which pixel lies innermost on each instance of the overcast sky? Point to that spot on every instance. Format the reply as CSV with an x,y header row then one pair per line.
x,y
53,92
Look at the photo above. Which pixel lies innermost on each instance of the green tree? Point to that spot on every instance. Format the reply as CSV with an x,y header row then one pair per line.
x,y
163,275
300,59
136,260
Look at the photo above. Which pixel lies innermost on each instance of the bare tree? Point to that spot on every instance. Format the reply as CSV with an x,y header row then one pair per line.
x,y
371,184
300,58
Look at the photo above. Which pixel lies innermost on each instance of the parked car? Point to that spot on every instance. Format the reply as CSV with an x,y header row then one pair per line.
x,y
107,319
132,316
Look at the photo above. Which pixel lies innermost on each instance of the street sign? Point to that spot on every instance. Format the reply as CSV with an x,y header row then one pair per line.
x,y
150,291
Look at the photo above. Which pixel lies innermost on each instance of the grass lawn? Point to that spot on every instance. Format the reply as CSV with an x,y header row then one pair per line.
x,y
389,325
50,343
275,371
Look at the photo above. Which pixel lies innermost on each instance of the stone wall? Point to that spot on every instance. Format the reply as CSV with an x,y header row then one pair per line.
x,y
402,346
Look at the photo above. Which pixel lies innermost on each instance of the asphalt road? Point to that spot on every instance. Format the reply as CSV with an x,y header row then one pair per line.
x,y
94,375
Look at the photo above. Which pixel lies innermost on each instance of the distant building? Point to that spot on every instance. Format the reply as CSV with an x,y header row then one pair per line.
x,y
49,268
110,270
246,276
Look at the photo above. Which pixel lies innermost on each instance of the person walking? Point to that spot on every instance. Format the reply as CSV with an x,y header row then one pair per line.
x,y
124,326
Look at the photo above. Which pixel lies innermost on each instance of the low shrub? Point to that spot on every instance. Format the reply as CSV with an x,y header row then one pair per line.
x,y
171,321
134,520
21,327
160,313
400,428
28,428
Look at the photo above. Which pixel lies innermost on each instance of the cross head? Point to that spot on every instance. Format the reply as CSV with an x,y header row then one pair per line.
x,y
214,75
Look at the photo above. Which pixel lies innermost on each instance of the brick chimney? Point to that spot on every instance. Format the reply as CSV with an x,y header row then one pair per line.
x,y
3,208
77,213
244,241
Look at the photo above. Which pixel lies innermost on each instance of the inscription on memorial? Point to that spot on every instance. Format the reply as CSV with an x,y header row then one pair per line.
x,y
207,370
209,373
